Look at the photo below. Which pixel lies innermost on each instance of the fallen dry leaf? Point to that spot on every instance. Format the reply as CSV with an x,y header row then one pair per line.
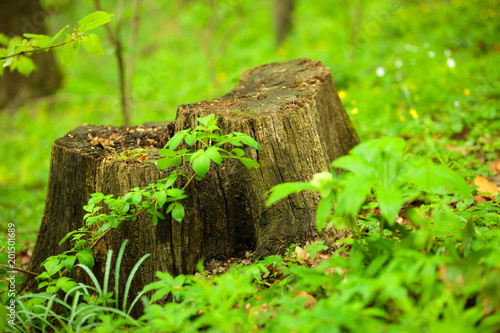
x,y
495,167
311,301
142,158
486,186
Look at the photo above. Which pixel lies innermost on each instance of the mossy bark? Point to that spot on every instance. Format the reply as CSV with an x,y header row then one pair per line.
x,y
292,109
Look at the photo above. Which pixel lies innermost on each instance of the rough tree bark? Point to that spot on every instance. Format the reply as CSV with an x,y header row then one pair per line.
x,y
16,19
291,109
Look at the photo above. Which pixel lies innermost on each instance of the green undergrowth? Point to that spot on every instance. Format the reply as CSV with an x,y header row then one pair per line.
x,y
424,72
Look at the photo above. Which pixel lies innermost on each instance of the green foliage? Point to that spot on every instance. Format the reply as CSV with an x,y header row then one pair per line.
x,y
84,307
151,198
379,170
442,275
15,52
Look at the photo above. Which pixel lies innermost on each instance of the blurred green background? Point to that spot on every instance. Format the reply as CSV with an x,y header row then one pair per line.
x,y
426,71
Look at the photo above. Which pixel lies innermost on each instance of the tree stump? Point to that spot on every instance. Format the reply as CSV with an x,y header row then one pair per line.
x,y
292,109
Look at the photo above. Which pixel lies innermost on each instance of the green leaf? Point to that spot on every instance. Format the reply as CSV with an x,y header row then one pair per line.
x,y
249,163
52,265
239,152
35,36
25,65
56,36
167,152
177,161
353,195
436,178
69,262
176,139
13,50
390,202
161,198
175,192
250,142
178,212
201,164
214,155
86,258
94,20
164,163
205,120
92,43
68,52
281,191
324,210
65,283
137,198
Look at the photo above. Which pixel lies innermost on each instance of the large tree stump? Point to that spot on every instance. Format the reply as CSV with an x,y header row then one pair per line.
x,y
291,109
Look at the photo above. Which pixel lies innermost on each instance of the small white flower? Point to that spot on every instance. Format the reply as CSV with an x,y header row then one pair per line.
x,y
456,103
447,53
431,54
450,62
414,49
398,63
380,71
408,47
426,45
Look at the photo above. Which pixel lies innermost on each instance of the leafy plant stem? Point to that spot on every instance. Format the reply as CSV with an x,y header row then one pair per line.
x,y
36,50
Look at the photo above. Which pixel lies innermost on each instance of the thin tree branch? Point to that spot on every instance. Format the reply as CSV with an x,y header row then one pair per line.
x,y
129,58
35,50
115,40
23,271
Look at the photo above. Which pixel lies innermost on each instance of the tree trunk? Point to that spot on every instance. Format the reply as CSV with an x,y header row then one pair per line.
x,y
291,109
283,19
17,18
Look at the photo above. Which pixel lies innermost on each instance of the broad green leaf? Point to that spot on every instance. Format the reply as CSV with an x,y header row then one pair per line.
x,y
68,52
390,202
353,195
250,142
86,258
52,265
436,179
25,65
161,198
176,139
167,152
175,192
92,43
56,36
206,120
164,163
190,139
281,191
239,152
201,164
178,212
214,154
4,40
137,198
94,20
69,262
355,164
249,163
324,210
65,283
8,61
177,161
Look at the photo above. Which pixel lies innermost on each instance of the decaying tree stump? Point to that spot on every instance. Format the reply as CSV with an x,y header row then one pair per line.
x,y
291,109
